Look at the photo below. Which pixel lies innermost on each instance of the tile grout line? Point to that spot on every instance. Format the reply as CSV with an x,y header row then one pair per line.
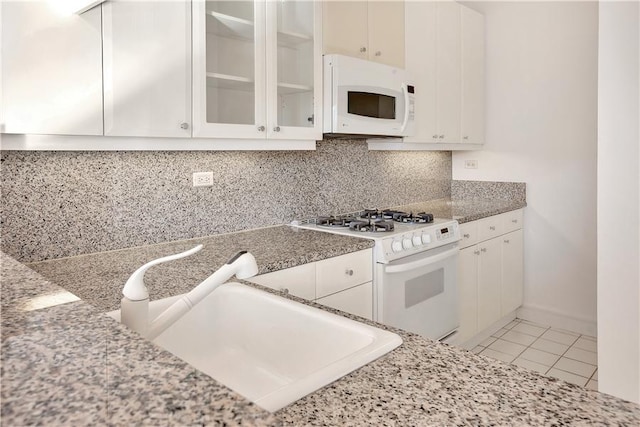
x,y
562,355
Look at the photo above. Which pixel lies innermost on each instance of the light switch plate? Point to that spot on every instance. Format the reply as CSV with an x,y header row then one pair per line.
x,y
471,164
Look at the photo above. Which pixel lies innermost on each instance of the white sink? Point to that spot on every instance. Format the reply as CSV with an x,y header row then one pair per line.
x,y
269,349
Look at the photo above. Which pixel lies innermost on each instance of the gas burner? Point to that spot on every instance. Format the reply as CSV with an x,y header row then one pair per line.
x,y
334,221
408,218
371,214
372,225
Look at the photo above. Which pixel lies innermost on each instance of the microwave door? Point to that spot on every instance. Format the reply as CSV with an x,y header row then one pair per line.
x,y
368,110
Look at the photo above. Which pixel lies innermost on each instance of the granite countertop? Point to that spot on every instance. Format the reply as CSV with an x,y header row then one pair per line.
x,y
464,210
70,364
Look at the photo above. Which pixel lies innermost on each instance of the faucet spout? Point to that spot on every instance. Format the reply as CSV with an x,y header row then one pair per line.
x,y
243,265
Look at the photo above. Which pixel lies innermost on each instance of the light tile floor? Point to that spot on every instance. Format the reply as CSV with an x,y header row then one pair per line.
x,y
554,352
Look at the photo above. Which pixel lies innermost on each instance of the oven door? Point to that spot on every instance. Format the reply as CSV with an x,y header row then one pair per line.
x,y
418,293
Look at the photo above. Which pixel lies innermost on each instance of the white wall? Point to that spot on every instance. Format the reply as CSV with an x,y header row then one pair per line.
x,y
619,200
541,112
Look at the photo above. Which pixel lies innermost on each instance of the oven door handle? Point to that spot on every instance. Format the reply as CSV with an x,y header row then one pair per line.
x,y
421,263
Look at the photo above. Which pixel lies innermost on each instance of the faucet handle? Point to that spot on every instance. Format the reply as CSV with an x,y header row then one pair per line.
x,y
135,289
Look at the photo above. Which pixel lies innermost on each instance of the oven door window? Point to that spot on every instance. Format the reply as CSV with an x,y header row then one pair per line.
x,y
424,287
369,104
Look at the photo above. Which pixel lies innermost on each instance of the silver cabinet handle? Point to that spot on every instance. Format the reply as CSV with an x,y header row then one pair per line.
x,y
483,250
465,137
515,221
261,128
492,228
435,136
466,236
476,252
363,49
276,129
184,125
349,272
378,53
506,241
441,136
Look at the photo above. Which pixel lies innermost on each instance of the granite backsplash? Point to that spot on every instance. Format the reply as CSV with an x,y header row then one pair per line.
x,y
58,204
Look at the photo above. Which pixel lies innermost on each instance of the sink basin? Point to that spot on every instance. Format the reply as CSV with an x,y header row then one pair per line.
x,y
269,349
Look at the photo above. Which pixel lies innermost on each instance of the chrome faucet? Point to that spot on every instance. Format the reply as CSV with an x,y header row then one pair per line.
x,y
135,304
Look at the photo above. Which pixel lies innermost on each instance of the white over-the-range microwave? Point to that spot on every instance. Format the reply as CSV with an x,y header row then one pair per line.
x,y
366,99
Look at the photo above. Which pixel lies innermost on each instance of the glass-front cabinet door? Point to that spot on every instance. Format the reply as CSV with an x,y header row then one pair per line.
x,y
257,69
294,102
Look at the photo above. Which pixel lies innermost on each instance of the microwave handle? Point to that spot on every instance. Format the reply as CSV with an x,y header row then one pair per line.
x,y
421,262
405,92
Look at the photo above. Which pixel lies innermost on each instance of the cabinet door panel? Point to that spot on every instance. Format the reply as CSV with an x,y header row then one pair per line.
x,y
345,28
420,55
229,83
386,32
469,234
512,271
294,79
489,282
448,71
342,272
357,300
472,117
51,69
147,68
468,293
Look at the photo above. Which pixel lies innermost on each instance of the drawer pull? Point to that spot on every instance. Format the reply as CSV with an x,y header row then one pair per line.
x,y
492,228
476,252
506,241
349,272
466,236
515,221
483,250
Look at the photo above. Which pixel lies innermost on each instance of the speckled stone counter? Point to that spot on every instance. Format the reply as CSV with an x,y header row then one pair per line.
x,y
464,210
98,278
71,365
68,365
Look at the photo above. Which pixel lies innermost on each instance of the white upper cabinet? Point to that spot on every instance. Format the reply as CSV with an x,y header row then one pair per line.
x,y
51,69
448,71
472,117
147,68
373,30
257,69
445,56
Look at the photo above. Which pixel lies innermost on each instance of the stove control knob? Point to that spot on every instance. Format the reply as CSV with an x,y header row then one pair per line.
x,y
396,246
426,238
417,241
406,243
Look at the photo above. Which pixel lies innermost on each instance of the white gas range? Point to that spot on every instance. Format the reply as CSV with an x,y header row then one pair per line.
x,y
415,266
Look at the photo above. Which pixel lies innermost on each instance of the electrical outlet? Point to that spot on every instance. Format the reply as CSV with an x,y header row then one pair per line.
x,y
471,164
202,179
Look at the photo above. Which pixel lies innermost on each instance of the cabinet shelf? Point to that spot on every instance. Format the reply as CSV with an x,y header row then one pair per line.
x,y
239,28
228,81
292,39
231,26
290,88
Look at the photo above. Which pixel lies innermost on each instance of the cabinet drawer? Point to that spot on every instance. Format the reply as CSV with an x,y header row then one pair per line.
x,y
342,272
299,281
512,221
357,300
468,234
490,227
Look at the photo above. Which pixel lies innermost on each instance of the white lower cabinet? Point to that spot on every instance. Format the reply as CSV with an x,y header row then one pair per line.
x,y
490,272
357,300
343,282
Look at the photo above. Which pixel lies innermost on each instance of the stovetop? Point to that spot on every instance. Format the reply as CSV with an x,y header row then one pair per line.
x,y
397,234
